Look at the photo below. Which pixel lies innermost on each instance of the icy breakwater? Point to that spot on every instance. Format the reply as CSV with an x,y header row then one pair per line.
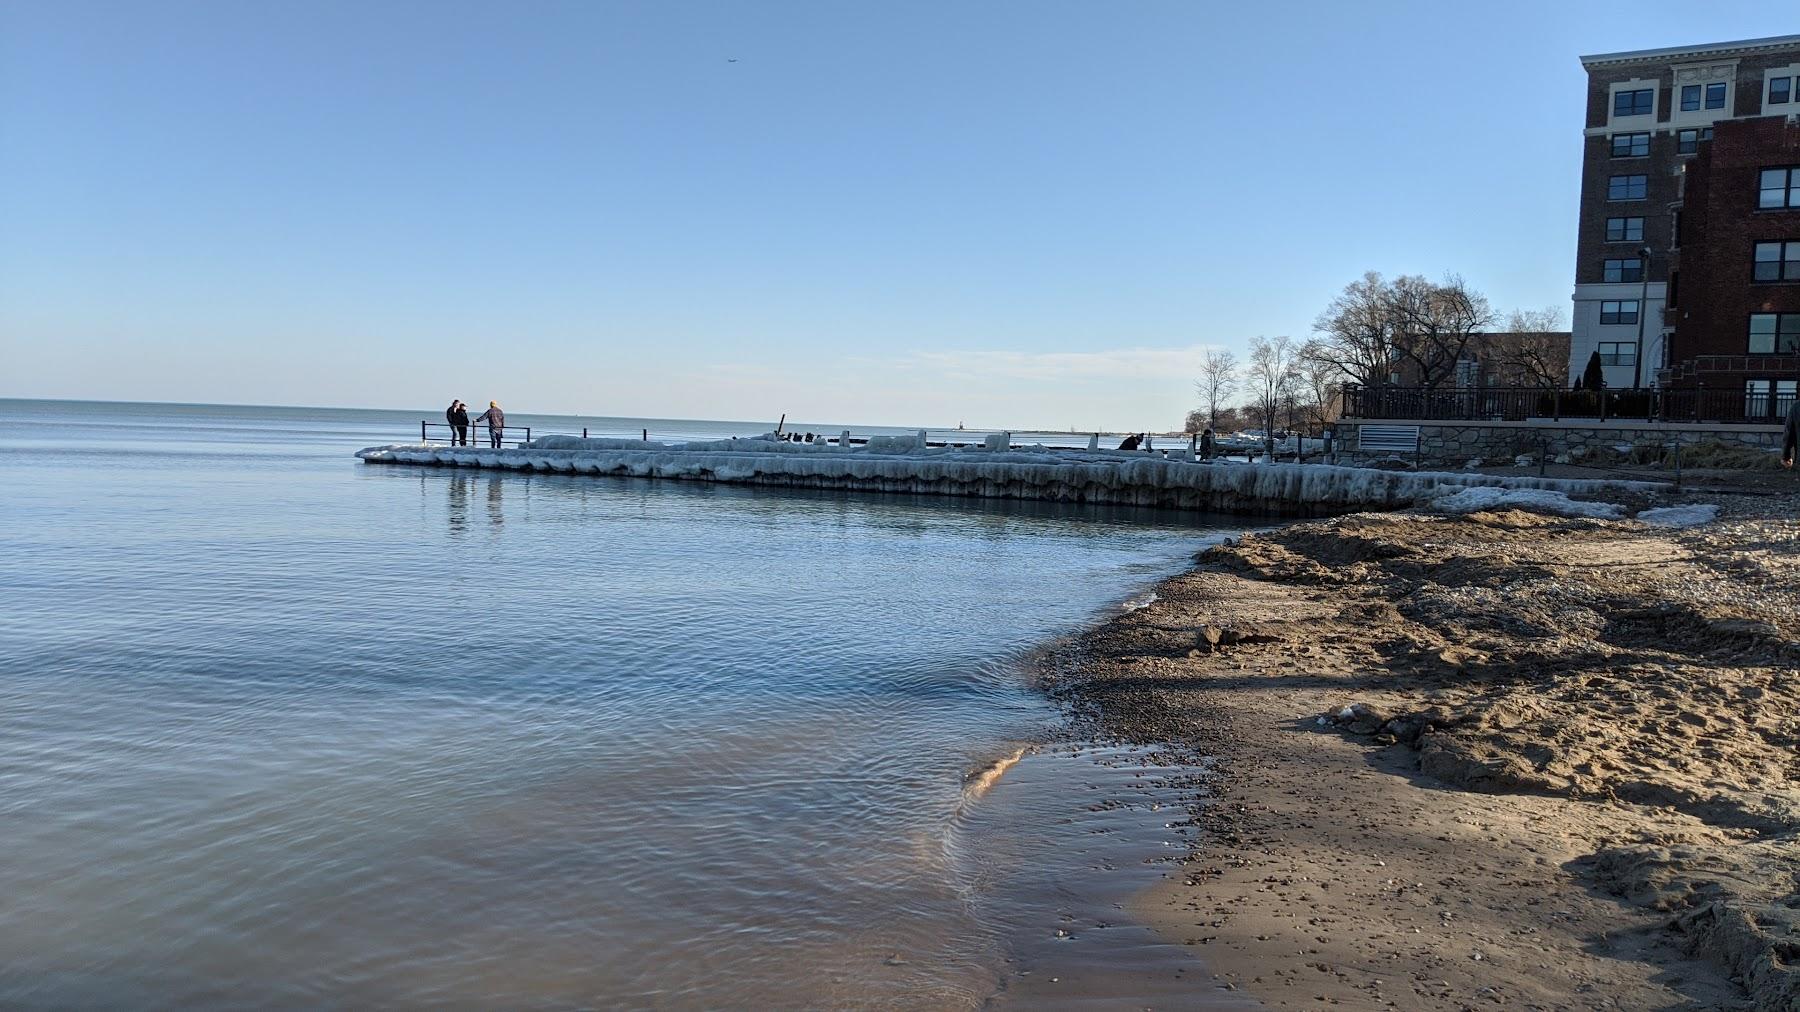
x,y
899,464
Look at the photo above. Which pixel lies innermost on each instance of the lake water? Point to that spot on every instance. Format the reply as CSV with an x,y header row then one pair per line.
x,y
282,729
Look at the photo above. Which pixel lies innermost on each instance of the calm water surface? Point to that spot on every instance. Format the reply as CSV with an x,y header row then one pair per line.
x,y
282,729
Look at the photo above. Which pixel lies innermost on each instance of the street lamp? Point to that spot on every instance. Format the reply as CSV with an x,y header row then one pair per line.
x,y
1637,363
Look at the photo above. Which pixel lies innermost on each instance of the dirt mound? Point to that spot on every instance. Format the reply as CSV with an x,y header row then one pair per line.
x,y
1600,665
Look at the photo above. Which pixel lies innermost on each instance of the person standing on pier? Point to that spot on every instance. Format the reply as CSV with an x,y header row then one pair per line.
x,y
459,423
496,420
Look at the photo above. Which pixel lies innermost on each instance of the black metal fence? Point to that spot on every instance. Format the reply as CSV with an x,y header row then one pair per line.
x,y
473,434
1513,404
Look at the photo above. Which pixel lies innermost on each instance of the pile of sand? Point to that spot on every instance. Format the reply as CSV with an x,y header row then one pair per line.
x,y
1636,673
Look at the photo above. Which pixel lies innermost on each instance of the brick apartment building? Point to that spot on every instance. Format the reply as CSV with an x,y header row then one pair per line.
x,y
1734,295
1651,116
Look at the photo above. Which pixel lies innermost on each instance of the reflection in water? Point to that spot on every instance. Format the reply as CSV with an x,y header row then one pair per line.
x,y
457,488
495,506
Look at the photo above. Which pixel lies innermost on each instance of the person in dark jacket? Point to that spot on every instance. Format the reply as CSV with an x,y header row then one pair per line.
x,y
1131,442
496,420
1207,442
450,420
459,423
1790,436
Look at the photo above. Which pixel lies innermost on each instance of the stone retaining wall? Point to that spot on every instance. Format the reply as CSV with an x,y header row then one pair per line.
x,y
1460,442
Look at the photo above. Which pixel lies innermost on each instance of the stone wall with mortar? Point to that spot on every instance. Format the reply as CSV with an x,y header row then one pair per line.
x,y
1459,442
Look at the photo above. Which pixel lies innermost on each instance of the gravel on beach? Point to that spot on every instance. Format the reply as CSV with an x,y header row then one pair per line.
x,y
1497,760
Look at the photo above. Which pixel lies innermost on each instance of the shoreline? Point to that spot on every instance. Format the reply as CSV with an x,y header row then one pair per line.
x,y
1500,760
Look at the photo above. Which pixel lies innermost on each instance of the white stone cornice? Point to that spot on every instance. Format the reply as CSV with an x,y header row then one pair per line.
x,y
1775,42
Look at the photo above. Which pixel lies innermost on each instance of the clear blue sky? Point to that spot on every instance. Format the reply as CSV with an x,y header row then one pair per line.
x,y
1001,213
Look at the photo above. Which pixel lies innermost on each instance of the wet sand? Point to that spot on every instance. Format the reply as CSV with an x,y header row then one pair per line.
x,y
1496,761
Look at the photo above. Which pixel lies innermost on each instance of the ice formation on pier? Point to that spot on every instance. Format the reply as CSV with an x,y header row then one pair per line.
x,y
906,464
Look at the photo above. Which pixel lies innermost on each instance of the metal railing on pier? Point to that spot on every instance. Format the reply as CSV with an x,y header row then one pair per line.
x,y
1512,404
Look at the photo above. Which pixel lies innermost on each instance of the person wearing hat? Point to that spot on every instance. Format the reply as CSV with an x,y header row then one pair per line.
x,y
496,420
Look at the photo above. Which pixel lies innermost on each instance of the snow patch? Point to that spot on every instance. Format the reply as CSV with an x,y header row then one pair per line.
x,y
1680,516
1470,500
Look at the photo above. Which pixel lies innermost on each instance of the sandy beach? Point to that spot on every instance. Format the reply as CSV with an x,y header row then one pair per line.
x,y
1501,760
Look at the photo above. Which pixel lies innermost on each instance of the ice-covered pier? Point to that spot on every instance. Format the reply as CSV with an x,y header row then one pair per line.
x,y
1171,480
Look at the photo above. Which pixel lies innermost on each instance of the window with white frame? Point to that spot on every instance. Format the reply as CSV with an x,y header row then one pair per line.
x,y
1619,311
1781,91
1777,261
1628,187
1635,145
1774,333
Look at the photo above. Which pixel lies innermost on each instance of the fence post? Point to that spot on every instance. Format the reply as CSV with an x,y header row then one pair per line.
x,y
584,432
421,430
1556,406
646,435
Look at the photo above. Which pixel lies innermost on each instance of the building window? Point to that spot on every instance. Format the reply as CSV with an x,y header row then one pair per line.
x,y
1715,95
1757,397
1769,398
1630,145
1618,353
1777,261
1625,311
1637,102
1781,90
1624,230
1774,332
1688,141
1623,271
1780,188
1690,98
1631,188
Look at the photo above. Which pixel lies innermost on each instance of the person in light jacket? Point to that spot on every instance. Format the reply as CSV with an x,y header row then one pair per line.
x,y
496,420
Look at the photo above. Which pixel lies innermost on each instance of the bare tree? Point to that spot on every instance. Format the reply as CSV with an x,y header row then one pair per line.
x,y
1412,326
1321,383
1218,376
1535,350
1271,378
1433,322
1357,331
